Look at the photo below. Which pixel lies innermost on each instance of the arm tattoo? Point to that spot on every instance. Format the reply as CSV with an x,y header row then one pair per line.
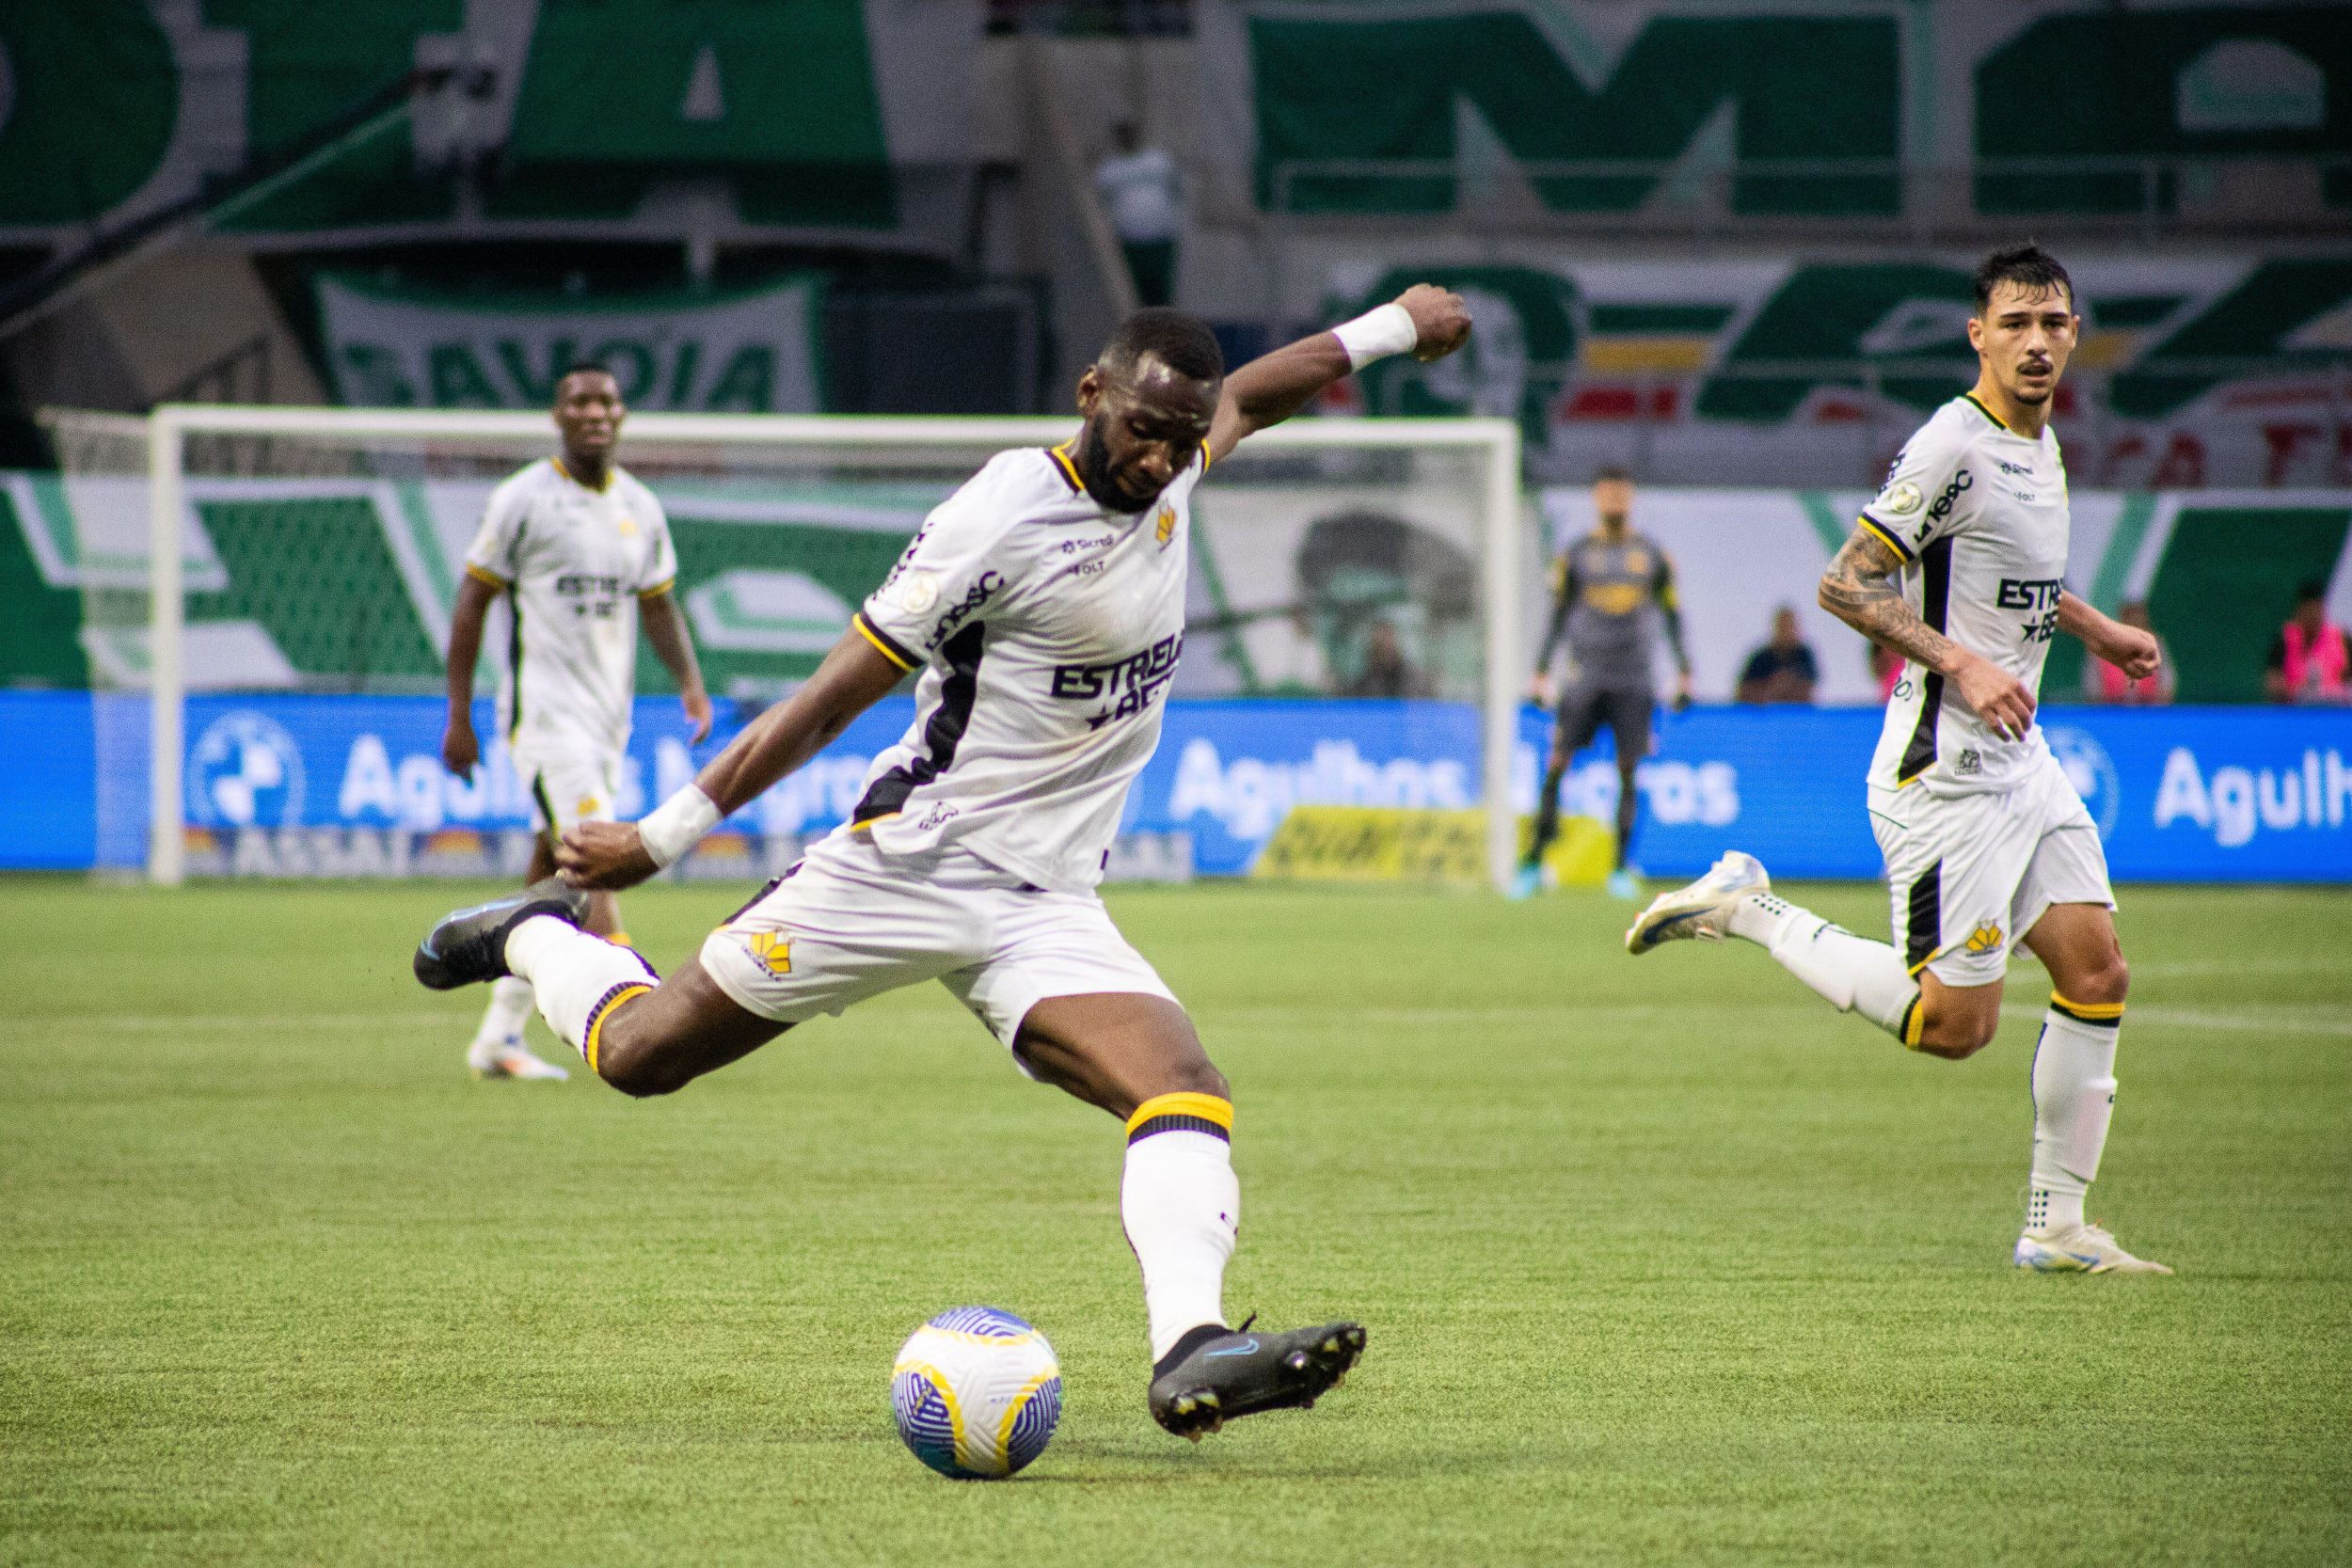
x,y
1856,590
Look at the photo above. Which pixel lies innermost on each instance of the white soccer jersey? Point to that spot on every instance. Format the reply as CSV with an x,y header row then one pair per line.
x,y
574,561
1047,629
1978,515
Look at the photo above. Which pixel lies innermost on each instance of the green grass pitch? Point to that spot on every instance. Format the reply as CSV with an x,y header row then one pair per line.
x,y
1662,1261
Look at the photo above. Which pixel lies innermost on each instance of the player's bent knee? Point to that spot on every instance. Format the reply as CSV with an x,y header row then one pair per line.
x,y
2107,983
638,1068
1955,1034
1200,1076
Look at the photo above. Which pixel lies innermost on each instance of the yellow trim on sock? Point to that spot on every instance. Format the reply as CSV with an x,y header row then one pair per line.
x,y
596,1030
2088,1010
1208,1107
1915,1023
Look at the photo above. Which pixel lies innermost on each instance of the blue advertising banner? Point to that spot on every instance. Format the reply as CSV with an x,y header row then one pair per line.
x,y
2179,794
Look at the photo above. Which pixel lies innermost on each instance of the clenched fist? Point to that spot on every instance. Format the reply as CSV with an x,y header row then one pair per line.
x,y
1440,318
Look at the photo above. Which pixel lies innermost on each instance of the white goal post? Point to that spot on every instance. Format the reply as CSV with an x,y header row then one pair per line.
x,y
1503,542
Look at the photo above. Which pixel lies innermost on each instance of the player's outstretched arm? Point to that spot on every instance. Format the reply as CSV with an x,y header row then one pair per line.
x,y
460,750
2134,652
1858,589
1425,321
614,855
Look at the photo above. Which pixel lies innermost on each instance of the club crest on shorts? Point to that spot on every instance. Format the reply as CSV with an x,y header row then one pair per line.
x,y
1986,937
773,950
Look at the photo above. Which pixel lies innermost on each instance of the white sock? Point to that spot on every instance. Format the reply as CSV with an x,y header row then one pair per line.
x,y
2073,1099
576,977
508,1011
1182,1207
1851,974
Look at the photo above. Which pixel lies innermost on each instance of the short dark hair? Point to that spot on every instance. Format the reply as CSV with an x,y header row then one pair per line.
x,y
584,367
1182,342
1608,472
2313,589
2028,265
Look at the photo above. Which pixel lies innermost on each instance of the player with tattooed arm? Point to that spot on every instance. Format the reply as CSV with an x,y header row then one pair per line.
x,y
1959,565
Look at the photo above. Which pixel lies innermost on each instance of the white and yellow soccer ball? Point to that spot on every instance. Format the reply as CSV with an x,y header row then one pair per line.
x,y
977,1393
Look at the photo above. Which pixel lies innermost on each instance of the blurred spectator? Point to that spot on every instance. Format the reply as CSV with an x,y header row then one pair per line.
x,y
1886,668
2104,682
1138,184
1385,671
1783,670
2309,661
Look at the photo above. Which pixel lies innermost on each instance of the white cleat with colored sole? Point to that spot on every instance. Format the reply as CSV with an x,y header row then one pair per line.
x,y
1700,909
2078,1249
507,1058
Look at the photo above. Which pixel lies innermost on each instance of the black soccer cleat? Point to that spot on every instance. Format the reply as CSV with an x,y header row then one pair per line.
x,y
471,944
1215,1375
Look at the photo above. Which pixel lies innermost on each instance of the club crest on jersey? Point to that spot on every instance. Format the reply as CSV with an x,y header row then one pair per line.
x,y
773,950
1167,529
1986,937
627,527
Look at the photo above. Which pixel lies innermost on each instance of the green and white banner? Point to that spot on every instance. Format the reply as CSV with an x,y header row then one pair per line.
x,y
756,351
349,583
2192,368
729,119
2032,106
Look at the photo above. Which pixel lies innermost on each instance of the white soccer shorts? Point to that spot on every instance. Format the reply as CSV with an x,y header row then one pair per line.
x,y
1968,875
567,783
847,923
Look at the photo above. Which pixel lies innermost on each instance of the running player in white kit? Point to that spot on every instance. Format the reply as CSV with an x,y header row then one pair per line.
x,y
581,553
1986,840
1043,603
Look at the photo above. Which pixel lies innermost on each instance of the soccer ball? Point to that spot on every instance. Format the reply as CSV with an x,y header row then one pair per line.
x,y
977,1393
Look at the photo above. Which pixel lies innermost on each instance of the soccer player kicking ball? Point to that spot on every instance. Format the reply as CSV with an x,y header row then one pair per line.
x,y
1044,603
581,553
1959,565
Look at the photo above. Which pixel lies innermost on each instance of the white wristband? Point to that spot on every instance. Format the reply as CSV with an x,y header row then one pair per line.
x,y
676,825
1377,334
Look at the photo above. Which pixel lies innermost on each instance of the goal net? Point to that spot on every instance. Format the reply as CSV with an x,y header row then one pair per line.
x,y
267,595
